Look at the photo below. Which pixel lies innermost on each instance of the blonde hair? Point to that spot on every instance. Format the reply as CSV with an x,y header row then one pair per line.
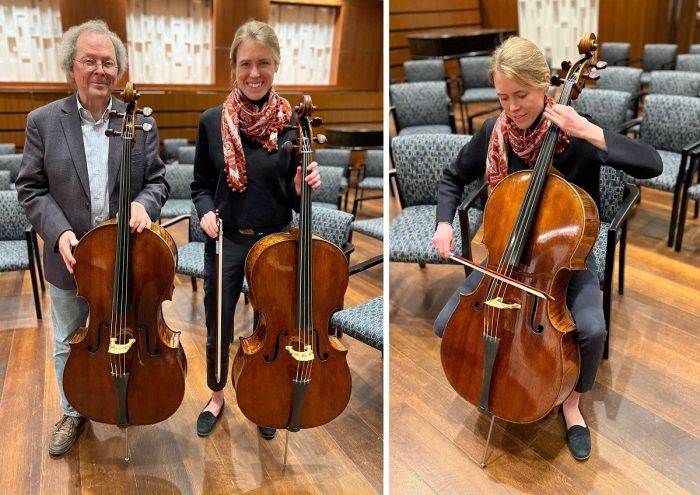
x,y
256,31
520,60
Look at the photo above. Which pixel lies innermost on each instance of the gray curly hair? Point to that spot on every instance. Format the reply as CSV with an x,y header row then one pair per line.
x,y
66,50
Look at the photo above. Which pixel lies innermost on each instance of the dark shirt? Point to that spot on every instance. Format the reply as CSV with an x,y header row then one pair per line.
x,y
269,197
579,164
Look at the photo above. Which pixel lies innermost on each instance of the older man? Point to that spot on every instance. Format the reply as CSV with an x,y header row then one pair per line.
x,y
68,184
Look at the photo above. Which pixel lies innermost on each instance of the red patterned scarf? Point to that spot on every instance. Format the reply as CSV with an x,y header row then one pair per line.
x,y
260,125
525,143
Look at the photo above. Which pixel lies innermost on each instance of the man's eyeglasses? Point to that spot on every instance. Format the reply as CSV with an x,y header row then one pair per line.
x,y
90,64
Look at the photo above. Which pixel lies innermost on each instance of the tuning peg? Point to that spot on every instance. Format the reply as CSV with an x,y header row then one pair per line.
x,y
556,80
566,65
114,114
320,139
289,146
112,133
289,128
146,111
145,127
593,75
316,121
601,64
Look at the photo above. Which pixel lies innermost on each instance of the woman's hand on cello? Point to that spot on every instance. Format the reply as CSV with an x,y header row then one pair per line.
x,y
444,239
210,225
569,121
313,179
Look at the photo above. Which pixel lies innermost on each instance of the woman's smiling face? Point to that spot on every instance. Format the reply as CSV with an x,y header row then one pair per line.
x,y
255,69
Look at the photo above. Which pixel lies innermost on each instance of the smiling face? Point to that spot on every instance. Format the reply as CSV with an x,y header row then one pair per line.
x,y
255,69
95,86
521,103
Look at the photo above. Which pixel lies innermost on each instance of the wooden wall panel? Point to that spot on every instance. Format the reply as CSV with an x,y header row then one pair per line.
x,y
398,6
407,17
360,61
499,14
434,20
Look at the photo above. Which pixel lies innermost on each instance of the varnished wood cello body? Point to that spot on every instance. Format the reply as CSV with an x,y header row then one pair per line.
x,y
126,367
290,373
508,351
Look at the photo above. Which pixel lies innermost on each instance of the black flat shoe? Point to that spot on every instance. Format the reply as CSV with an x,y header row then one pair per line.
x,y
206,421
267,433
578,439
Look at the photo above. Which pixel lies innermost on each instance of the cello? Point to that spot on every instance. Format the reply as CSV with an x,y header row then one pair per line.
x,y
509,346
290,373
126,367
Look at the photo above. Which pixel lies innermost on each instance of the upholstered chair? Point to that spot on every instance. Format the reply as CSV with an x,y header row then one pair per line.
x,y
475,87
421,108
419,162
179,201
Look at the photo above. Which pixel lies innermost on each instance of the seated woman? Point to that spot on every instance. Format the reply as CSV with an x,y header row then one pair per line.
x,y
511,142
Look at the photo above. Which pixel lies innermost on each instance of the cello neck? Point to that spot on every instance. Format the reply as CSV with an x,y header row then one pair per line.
x,y
304,279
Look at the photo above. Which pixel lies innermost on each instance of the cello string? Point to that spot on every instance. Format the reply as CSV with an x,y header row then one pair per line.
x,y
308,330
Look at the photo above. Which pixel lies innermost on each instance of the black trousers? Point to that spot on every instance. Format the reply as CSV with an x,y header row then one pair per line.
x,y
583,299
236,247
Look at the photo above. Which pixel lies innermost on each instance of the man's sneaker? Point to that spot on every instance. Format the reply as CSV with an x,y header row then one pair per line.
x,y
63,437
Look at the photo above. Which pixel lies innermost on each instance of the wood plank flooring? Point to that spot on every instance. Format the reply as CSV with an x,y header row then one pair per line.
x,y
644,411
344,456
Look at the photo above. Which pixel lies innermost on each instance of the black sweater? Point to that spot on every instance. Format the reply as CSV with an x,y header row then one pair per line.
x,y
579,164
269,196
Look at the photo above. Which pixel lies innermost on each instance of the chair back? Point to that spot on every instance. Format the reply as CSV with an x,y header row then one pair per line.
x,y
329,190
670,122
611,190
179,178
674,82
195,230
375,163
7,148
628,79
424,70
689,62
659,56
170,147
185,155
616,53
607,107
420,103
475,72
333,157
694,49
420,160
332,225
5,180
11,162
13,221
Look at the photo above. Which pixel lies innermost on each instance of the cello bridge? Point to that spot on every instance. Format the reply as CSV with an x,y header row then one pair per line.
x,y
115,348
499,304
306,355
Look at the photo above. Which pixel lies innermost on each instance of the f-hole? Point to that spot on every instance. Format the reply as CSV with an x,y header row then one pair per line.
x,y
537,328
267,357
150,352
94,348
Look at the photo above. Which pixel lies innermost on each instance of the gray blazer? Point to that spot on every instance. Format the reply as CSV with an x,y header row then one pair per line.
x,y
53,185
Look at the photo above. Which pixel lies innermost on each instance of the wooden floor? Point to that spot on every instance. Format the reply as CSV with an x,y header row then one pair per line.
x,y
644,411
344,456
